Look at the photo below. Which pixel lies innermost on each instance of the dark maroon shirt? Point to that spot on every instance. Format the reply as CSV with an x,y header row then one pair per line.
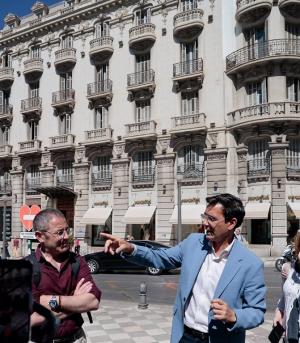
x,y
54,282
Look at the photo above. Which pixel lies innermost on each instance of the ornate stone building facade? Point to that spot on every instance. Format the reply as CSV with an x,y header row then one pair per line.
x,y
106,105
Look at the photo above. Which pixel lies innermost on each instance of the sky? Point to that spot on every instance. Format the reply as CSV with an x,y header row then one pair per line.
x,y
19,7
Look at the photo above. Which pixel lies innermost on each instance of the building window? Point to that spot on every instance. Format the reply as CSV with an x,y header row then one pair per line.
x,y
32,130
142,111
67,42
190,161
33,176
65,81
97,239
65,124
293,88
34,90
189,103
292,31
257,92
187,5
7,61
143,16
102,167
102,72
143,166
101,30
4,135
189,51
293,154
255,39
101,115
258,157
4,102
35,52
65,173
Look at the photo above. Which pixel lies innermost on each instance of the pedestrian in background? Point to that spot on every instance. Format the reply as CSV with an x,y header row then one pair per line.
x,y
15,246
221,290
238,235
77,246
58,290
287,311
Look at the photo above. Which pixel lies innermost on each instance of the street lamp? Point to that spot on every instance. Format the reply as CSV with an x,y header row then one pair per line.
x,y
179,218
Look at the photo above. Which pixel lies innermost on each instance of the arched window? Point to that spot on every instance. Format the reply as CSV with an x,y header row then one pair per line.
x,y
65,173
187,5
102,29
190,160
293,154
101,167
258,157
143,167
67,42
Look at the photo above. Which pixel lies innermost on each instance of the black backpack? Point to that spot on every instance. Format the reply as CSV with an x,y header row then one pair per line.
x,y
36,272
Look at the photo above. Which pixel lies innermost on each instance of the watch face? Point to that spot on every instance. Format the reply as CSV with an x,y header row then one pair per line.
x,y
53,304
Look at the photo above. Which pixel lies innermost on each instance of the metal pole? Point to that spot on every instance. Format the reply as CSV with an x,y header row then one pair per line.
x,y
4,231
179,226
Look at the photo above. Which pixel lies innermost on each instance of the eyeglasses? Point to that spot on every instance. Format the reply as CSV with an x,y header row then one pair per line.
x,y
209,218
61,233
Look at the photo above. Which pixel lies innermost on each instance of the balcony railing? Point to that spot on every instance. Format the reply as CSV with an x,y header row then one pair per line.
x,y
143,175
146,127
63,96
98,135
62,140
269,49
141,30
5,187
193,171
101,42
293,167
32,182
98,88
101,179
190,121
262,112
187,16
66,180
6,110
140,78
67,53
241,3
188,67
30,145
31,104
5,150
35,63
6,72
260,167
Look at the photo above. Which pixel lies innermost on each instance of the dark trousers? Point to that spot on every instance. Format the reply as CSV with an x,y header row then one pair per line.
x,y
187,338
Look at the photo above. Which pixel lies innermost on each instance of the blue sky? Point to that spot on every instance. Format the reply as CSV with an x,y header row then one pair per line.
x,y
19,7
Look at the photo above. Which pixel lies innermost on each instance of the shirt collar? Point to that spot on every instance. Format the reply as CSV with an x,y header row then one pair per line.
x,y
224,253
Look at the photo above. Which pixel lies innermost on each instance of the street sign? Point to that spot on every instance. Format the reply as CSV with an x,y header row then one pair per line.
x,y
27,235
27,215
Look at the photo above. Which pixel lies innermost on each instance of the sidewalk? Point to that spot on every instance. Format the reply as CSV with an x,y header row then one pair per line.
x,y
123,322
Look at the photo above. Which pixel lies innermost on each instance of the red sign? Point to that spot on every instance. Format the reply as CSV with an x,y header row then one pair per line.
x,y
27,215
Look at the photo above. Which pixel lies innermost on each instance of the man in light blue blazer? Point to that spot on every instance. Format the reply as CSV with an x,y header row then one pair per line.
x,y
221,292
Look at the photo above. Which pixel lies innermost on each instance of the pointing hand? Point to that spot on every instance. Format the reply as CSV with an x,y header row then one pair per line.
x,y
116,245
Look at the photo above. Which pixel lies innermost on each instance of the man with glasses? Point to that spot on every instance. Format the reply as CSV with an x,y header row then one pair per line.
x,y
221,292
65,295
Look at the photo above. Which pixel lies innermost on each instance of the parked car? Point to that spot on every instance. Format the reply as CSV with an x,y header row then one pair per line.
x,y
101,261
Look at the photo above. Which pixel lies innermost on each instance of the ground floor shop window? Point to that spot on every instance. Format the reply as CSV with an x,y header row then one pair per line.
x,y
260,231
97,239
143,231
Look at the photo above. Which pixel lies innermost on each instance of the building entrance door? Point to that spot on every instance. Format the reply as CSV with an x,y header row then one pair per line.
x,y
66,206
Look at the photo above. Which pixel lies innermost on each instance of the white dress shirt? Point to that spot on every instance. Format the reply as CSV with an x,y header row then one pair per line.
x,y
196,313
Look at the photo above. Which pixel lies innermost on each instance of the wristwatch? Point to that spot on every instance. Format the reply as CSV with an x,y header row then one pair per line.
x,y
54,303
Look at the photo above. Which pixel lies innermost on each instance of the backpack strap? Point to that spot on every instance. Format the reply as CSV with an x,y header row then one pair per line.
x,y
36,272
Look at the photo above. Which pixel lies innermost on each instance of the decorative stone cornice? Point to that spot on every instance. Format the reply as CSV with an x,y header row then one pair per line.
x,y
215,154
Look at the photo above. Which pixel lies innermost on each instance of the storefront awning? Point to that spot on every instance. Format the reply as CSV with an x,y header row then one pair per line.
x,y
295,207
139,214
190,214
257,210
96,216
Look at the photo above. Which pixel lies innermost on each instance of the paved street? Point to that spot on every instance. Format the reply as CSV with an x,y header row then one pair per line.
x,y
119,319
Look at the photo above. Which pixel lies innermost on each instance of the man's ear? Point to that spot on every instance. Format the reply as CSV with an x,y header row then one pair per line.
x,y
39,236
232,224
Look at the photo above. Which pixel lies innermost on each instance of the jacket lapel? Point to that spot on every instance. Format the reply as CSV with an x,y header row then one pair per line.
x,y
232,266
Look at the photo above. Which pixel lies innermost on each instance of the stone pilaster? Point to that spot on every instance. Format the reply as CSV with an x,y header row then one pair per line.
x,y
165,197
216,170
278,192
81,170
17,196
242,173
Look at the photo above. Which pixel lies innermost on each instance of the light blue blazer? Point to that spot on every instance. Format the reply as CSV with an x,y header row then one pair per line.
x,y
241,285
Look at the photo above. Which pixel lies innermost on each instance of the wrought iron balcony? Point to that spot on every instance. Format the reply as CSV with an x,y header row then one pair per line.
x,y
5,187
31,183
30,147
98,136
191,173
290,9
102,179
191,122
293,167
263,113
259,168
191,71
188,24
62,142
6,77
143,177
6,114
63,99
272,50
65,59
141,81
66,180
250,11
142,37
32,106
33,68
5,150
100,90
142,130
101,49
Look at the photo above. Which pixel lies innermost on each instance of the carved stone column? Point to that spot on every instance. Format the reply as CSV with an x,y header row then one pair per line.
x,y
47,171
216,170
278,192
81,171
17,197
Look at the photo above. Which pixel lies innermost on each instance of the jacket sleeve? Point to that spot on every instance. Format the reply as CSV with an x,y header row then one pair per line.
x,y
168,258
252,312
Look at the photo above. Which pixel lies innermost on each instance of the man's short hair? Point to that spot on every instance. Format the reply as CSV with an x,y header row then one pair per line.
x,y
41,220
232,207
